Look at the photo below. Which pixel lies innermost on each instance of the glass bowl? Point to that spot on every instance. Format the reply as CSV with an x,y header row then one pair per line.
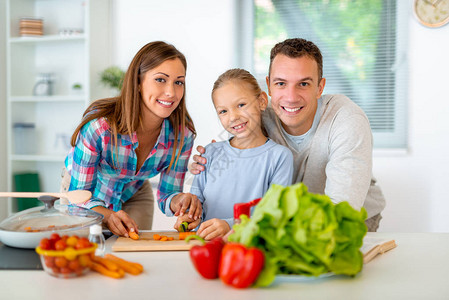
x,y
67,263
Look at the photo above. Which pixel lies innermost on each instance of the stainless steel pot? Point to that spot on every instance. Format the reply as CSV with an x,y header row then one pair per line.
x,y
26,228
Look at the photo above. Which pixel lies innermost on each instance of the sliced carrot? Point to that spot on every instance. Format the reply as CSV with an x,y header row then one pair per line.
x,y
104,271
129,267
156,237
170,238
183,235
164,238
133,235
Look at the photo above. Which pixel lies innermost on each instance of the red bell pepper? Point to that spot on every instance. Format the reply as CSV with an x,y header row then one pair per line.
x,y
206,258
240,266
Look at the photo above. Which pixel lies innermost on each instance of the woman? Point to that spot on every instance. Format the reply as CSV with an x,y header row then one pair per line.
x,y
123,141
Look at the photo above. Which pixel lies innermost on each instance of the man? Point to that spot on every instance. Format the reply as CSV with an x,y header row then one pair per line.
x,y
329,135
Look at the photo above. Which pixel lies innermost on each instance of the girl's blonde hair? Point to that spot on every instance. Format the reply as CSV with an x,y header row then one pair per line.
x,y
123,113
240,76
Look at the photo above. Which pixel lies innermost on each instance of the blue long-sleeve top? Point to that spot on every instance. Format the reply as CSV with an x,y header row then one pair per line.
x,y
239,175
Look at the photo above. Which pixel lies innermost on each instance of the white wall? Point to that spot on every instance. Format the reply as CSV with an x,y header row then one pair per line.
x,y
416,184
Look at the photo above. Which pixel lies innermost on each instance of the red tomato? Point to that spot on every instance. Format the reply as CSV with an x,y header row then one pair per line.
x,y
54,236
74,264
61,262
45,244
83,243
64,238
55,270
49,261
65,270
60,245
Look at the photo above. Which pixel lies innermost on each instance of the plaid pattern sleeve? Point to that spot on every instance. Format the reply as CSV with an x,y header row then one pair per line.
x,y
171,183
83,161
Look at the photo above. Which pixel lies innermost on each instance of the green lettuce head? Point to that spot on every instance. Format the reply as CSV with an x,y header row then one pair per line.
x,y
303,233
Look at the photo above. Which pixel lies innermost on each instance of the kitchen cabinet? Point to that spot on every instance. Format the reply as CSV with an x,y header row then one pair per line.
x,y
43,107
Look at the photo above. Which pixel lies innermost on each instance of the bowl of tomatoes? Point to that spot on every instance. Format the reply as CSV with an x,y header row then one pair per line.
x,y
66,256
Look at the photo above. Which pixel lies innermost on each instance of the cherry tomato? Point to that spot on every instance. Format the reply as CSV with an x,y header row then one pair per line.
x,y
54,236
61,262
60,245
49,261
65,270
71,241
74,264
45,244
85,260
55,270
64,238
83,243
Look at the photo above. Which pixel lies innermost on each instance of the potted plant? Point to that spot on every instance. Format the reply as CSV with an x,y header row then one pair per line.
x,y
112,77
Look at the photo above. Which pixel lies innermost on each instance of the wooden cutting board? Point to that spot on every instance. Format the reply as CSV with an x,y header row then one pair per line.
x,y
147,243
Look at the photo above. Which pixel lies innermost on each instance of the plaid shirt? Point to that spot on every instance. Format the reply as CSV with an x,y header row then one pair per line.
x,y
90,164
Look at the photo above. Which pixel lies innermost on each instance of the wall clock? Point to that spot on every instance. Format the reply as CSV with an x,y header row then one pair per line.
x,y
432,13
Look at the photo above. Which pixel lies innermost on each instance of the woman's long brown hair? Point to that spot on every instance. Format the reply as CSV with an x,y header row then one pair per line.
x,y
123,112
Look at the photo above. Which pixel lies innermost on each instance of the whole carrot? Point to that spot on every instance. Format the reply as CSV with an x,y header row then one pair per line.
x,y
110,265
104,271
129,267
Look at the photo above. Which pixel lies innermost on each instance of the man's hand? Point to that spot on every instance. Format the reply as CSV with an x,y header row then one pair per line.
x,y
185,218
198,166
213,228
183,201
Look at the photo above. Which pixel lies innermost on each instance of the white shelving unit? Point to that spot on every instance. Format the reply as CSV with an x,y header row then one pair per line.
x,y
70,59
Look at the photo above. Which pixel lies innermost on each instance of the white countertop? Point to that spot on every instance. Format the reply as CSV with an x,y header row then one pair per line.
x,y
416,269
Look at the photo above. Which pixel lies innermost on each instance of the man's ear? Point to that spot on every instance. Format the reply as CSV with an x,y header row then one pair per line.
x,y
268,85
321,87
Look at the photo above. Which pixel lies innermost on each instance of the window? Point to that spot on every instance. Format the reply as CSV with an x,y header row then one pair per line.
x,y
363,45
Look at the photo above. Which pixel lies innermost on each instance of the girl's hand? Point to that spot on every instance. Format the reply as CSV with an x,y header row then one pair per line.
x,y
183,201
119,223
185,218
213,228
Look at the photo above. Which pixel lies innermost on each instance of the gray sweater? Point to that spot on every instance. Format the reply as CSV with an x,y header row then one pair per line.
x,y
335,157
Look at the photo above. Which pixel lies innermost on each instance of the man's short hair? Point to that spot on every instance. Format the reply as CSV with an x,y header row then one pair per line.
x,y
297,47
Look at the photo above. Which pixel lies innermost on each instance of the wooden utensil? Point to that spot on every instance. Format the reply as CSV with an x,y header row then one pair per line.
x,y
75,197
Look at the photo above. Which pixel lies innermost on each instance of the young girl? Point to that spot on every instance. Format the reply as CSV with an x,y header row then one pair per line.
x,y
123,141
242,168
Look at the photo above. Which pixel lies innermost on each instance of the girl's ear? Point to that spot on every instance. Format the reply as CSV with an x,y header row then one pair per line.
x,y
263,101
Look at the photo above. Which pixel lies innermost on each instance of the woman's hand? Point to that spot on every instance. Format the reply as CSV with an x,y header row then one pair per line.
x,y
119,223
213,228
183,201
185,218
